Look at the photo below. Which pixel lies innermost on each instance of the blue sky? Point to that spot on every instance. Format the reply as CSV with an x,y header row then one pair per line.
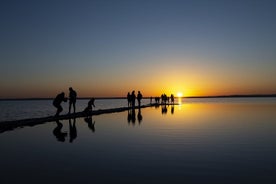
x,y
106,48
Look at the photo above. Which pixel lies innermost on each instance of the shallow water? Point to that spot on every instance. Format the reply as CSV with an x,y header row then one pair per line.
x,y
214,141
24,109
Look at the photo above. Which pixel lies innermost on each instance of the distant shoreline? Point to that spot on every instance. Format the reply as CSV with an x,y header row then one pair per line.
x,y
110,98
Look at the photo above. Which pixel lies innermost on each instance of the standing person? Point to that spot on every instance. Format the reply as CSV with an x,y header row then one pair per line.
x,y
139,98
57,102
133,97
172,98
128,99
72,99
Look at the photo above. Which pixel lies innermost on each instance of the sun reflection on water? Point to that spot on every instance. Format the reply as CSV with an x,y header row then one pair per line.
x,y
179,101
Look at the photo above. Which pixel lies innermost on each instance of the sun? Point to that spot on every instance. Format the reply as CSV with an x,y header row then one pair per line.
x,y
179,94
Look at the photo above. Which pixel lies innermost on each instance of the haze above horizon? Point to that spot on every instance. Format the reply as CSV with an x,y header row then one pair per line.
x,y
108,48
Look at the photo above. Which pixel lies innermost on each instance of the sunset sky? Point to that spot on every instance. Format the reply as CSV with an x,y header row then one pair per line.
x,y
107,48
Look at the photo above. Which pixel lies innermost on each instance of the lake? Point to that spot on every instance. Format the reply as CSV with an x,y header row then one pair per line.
x,y
212,140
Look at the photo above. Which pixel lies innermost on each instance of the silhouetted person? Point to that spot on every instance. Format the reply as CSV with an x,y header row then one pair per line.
x,y
172,98
72,130
139,116
139,98
91,125
128,99
133,98
164,98
72,99
57,102
57,132
90,105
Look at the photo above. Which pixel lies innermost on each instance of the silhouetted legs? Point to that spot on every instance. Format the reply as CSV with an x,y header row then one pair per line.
x,y
74,106
59,109
139,103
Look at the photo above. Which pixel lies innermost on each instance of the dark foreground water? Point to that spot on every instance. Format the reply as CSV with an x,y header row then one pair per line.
x,y
200,141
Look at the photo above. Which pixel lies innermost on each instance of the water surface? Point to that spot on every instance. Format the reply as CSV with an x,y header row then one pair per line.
x,y
214,141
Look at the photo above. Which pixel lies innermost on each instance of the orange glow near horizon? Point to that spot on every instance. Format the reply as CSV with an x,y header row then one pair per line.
x,y
120,91
153,83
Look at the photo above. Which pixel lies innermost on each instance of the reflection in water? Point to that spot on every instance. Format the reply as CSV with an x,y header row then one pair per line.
x,y
128,116
139,116
172,109
73,130
58,133
156,105
179,101
91,124
164,109
199,143
131,116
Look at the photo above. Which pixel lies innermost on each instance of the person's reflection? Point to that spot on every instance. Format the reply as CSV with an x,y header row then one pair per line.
x,y
58,133
139,116
91,124
129,116
164,109
72,130
133,116
172,109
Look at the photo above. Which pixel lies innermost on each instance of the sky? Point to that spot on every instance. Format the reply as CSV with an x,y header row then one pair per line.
x,y
107,48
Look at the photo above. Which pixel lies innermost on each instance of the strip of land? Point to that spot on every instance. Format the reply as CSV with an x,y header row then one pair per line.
x,y
11,125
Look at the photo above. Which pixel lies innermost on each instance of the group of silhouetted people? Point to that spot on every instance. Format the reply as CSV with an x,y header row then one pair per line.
x,y
132,97
61,98
164,99
72,102
131,104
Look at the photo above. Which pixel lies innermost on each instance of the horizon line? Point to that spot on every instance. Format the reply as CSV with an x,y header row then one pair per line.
x,y
205,96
